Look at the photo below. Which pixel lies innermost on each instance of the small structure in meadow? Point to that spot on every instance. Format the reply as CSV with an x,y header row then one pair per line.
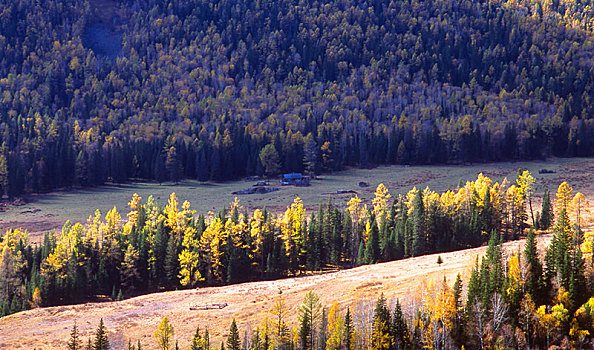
x,y
296,179
214,306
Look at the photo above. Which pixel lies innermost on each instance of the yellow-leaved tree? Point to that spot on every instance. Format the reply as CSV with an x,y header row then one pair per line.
x,y
380,203
335,329
189,259
164,334
292,230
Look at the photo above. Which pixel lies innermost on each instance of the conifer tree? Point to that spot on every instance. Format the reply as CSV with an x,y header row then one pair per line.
x,y
172,262
458,326
309,314
546,213
233,337
534,278
349,331
399,329
418,225
164,334
197,341
74,342
381,336
101,342
323,331
372,249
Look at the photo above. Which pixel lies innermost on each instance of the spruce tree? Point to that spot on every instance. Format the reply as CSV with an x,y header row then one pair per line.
x,y
381,334
101,342
233,337
309,314
372,249
361,253
349,330
74,343
172,262
418,225
399,328
458,326
546,213
534,279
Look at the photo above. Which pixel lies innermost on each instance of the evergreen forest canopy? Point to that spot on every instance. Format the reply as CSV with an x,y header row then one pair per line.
x,y
199,89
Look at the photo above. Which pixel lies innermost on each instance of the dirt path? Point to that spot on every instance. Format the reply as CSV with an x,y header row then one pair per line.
x,y
249,303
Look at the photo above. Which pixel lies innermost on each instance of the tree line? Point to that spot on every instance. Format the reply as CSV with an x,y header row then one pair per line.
x,y
511,300
200,88
172,247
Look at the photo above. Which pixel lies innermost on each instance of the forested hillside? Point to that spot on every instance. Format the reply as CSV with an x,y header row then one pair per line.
x,y
198,88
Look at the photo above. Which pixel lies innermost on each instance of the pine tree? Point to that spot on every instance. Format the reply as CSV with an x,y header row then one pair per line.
x,y
309,314
546,213
101,342
233,337
372,249
172,262
349,331
74,343
418,225
534,279
361,254
381,336
399,329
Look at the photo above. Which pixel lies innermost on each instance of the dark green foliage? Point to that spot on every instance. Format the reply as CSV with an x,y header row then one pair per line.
x,y
399,330
233,342
534,281
419,233
101,342
74,343
381,336
323,98
172,262
546,213
349,330
372,248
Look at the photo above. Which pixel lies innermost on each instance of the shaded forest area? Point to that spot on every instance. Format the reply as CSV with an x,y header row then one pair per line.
x,y
201,88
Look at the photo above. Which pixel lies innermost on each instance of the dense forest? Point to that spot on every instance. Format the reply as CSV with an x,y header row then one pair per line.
x,y
221,89
512,302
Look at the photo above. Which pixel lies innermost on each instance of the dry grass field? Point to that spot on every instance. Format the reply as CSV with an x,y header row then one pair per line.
x,y
249,303
46,212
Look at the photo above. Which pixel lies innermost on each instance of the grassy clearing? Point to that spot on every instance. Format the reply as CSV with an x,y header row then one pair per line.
x,y
49,211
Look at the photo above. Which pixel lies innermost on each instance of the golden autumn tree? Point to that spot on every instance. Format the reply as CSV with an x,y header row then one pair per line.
x,y
336,332
189,259
292,230
380,203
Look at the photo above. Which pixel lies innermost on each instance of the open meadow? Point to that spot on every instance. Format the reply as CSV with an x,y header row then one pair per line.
x,y
47,212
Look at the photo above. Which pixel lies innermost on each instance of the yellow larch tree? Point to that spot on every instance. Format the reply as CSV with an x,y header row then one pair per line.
x,y
292,233
380,203
335,328
133,214
563,196
189,258
357,211
525,182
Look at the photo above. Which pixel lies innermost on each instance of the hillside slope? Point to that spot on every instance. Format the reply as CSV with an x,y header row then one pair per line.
x,y
249,303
